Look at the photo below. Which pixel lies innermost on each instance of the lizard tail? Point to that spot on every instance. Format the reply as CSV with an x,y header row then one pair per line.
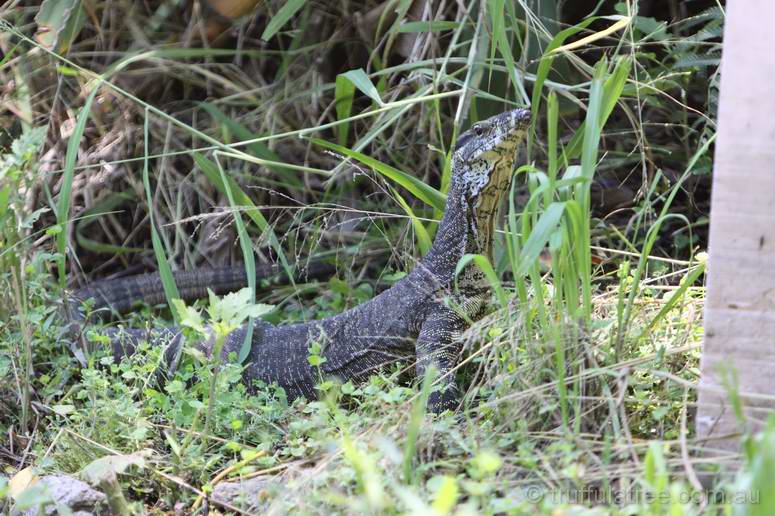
x,y
120,294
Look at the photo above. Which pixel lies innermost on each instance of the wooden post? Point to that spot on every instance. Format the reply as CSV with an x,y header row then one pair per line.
x,y
740,305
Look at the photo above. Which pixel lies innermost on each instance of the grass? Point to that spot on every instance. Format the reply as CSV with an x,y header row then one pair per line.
x,y
330,142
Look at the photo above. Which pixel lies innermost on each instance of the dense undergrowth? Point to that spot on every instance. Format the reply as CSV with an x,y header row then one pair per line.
x,y
131,144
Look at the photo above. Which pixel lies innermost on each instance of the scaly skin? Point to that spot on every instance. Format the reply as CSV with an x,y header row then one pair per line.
x,y
418,320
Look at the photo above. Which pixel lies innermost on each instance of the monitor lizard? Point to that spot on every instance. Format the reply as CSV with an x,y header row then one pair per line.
x,y
417,320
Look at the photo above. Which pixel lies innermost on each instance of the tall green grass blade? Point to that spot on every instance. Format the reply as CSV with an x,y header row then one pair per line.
x,y
539,236
428,26
343,96
63,205
562,388
257,149
612,90
88,217
423,238
592,130
247,256
285,13
497,18
676,296
210,170
165,271
544,67
425,193
552,124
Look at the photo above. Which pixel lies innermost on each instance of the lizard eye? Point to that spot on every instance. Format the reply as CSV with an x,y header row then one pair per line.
x,y
478,129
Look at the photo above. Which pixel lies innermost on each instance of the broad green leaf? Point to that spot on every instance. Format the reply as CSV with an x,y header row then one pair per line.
x,y
539,236
59,23
189,316
107,467
361,81
234,308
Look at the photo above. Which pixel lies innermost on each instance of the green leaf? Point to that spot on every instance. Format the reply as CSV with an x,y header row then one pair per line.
x,y
545,66
361,81
425,193
285,13
487,463
315,360
612,90
63,205
344,94
5,194
235,307
59,23
165,271
248,257
446,495
240,198
107,467
501,41
539,236
63,410
423,238
189,316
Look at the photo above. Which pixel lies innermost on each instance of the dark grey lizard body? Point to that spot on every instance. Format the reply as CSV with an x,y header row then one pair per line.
x,y
420,317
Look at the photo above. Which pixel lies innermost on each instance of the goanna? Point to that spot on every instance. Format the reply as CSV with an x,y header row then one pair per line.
x,y
416,321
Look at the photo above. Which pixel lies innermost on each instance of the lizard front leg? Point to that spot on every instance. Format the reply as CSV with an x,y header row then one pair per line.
x,y
439,346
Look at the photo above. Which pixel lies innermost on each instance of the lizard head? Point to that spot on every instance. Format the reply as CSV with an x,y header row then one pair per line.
x,y
482,167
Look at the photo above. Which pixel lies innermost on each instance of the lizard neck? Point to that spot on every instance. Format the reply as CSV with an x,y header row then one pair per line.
x,y
460,231
468,224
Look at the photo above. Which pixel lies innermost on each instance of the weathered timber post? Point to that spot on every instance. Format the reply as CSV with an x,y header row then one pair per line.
x,y
740,305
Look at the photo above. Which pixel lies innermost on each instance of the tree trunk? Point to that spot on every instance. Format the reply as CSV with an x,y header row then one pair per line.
x,y
740,306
